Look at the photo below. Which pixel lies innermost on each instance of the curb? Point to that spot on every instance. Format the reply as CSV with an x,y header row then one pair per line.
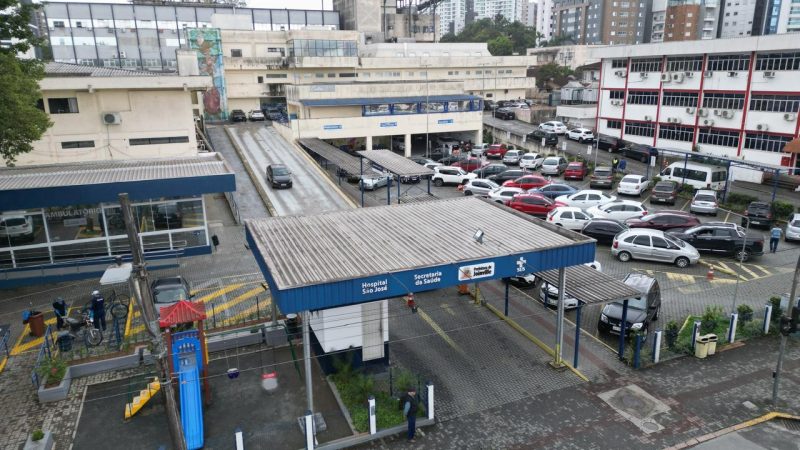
x,y
345,411
324,173
749,423
246,163
718,268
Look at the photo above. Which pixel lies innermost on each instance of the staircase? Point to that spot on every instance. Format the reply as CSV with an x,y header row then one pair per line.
x,y
144,396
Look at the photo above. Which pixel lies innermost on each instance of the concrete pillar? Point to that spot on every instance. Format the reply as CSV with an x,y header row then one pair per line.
x,y
478,136
369,143
408,145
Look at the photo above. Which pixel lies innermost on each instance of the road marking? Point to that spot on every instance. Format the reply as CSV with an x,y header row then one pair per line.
x,y
682,277
753,274
761,268
683,208
243,314
648,197
439,331
727,216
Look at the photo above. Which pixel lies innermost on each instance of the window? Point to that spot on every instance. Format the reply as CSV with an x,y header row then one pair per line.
x,y
718,137
58,24
619,63
643,97
778,61
331,75
260,80
646,65
685,64
723,101
616,95
775,103
67,105
614,124
765,142
77,144
319,75
729,63
160,140
376,110
640,129
347,75
642,240
659,242
283,75
685,99
236,53
676,133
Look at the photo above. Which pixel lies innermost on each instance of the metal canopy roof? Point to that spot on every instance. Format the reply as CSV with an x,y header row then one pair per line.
x,y
384,100
355,256
589,285
395,163
514,126
338,157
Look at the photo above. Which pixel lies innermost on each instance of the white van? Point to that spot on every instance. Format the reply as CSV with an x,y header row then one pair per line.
x,y
699,176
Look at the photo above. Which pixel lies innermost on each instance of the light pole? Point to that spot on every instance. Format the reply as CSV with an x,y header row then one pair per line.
x,y
782,348
741,260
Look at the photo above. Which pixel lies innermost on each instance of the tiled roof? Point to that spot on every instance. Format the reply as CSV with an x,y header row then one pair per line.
x,y
181,312
57,69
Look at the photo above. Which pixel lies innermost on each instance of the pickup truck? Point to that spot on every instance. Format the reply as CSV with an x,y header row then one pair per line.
x,y
724,240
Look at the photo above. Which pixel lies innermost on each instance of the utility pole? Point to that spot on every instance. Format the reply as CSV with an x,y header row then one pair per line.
x,y
792,299
147,307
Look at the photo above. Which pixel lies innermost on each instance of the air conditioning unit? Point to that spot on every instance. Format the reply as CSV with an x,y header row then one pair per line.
x,y
673,120
733,74
648,118
689,74
110,30
689,110
769,74
702,112
727,114
708,74
665,77
643,74
677,77
112,118
717,112
708,122
123,55
616,102
621,73
762,127
789,116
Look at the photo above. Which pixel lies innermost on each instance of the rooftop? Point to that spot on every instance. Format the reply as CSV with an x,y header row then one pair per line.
x,y
774,42
395,163
57,69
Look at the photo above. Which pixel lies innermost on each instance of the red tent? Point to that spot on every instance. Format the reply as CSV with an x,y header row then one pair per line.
x,y
181,312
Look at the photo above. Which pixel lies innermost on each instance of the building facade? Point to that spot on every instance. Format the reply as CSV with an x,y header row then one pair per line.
x,y
572,56
787,19
741,18
690,20
734,98
600,21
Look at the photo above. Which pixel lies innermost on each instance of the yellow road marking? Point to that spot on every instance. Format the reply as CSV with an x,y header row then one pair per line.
x,y
722,281
761,268
682,277
439,330
685,205
129,319
217,293
21,347
753,274
3,364
727,216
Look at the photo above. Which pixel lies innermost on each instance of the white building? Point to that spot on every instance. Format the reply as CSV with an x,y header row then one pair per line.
x,y
544,20
789,17
572,56
657,19
740,18
452,14
735,98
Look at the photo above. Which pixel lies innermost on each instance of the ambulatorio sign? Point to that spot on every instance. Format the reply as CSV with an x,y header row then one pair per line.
x,y
71,212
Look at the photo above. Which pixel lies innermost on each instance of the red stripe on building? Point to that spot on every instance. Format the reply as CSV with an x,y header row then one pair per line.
x,y
699,103
660,99
746,101
625,102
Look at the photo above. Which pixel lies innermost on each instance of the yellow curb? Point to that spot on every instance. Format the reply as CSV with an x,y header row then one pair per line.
x,y
129,318
256,182
3,363
749,423
718,268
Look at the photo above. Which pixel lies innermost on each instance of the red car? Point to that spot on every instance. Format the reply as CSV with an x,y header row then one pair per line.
x,y
528,182
496,151
665,221
576,171
534,204
468,164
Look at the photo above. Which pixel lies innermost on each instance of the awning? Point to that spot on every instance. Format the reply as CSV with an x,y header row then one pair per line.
x,y
385,100
589,285
335,156
181,312
394,163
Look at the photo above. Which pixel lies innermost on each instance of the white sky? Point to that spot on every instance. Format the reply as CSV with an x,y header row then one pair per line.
x,y
276,4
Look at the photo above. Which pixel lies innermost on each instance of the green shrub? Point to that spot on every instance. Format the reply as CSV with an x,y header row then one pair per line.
x,y
656,179
711,316
687,191
54,369
745,313
743,200
782,209
777,311
37,435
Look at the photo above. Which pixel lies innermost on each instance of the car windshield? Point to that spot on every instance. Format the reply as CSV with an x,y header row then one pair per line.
x,y
630,179
675,241
639,303
280,171
15,222
602,172
705,198
795,223
550,162
170,294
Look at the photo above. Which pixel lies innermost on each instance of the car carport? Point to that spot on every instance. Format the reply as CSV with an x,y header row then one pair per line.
x,y
399,166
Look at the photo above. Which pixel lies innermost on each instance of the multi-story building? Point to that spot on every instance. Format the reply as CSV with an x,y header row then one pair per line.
x,y
381,21
544,15
788,16
572,56
741,18
689,20
600,21
455,14
530,17
734,98
657,20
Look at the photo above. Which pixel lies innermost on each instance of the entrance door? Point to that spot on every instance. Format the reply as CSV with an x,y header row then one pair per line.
x,y
372,330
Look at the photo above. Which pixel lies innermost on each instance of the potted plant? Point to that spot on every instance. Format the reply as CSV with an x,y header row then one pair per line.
x,y
39,440
745,313
671,334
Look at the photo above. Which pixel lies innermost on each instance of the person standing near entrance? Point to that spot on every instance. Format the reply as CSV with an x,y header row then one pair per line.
x,y
775,236
99,310
410,406
60,310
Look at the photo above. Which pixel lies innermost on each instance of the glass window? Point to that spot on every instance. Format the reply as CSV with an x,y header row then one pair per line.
x,y
659,242
684,99
67,105
374,110
404,108
432,107
723,101
77,144
729,63
76,222
643,97
775,103
676,133
718,137
642,240
22,228
646,129
765,142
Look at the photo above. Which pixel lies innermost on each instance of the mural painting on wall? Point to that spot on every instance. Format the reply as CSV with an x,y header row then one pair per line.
x,y
207,42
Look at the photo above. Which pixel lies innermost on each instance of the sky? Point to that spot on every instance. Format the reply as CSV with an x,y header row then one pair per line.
x,y
277,4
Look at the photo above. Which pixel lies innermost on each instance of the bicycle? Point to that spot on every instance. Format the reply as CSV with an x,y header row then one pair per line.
x,y
118,304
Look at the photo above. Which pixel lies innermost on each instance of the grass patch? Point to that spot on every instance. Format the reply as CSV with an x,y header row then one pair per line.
x,y
720,328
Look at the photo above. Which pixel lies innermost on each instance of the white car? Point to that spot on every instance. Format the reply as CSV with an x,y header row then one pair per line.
x,y
569,217
531,161
512,157
256,114
504,194
586,199
16,227
479,186
479,149
372,182
451,175
432,165
549,293
553,126
580,134
618,210
793,228
633,185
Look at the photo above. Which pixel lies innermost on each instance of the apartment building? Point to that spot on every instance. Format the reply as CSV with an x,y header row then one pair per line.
x,y
787,19
734,98
689,20
600,21
741,18
544,23
455,14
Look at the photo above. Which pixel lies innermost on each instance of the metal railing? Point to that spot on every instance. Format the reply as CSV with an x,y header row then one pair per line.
x,y
46,350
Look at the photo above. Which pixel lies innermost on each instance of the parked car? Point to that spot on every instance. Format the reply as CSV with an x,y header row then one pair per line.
x,y
512,157
451,159
554,190
421,160
170,290
432,165
534,204
522,281
274,115
503,194
569,217
618,210
758,214
479,186
479,149
553,126
641,310
632,185
531,161
371,182
528,182
496,151
640,152
665,192
704,201
451,175
602,177
576,170
549,137
16,227
580,134
699,176
653,245
256,115
548,293
554,165
510,174
792,228
609,143
586,198
603,230
278,176
489,105
237,115
489,170
468,164
505,114
724,240
666,221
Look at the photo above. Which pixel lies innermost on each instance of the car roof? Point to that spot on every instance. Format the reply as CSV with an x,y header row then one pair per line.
x,y
602,168
639,281
575,163
623,201
591,191
168,281
633,175
666,182
706,192
531,194
606,219
568,208
759,204
648,231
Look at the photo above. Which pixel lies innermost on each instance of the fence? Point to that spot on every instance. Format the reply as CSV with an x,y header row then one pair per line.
x,y
47,350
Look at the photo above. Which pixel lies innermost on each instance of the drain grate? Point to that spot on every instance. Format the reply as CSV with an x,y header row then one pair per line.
x,y
789,424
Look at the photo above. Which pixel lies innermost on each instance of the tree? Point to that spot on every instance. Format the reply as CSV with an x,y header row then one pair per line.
x,y
500,46
519,36
22,120
551,71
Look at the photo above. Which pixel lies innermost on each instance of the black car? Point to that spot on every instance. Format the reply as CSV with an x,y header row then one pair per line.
x,y
536,136
452,159
505,114
170,290
642,309
490,170
554,190
511,174
489,105
237,115
724,240
279,176
603,230
421,160
609,143
640,152
522,281
758,214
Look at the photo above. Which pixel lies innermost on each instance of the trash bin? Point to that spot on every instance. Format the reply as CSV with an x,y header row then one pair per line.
x,y
36,323
712,343
64,341
292,325
701,346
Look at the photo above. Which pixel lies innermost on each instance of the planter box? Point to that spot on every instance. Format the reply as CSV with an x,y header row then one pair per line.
x,y
55,393
45,443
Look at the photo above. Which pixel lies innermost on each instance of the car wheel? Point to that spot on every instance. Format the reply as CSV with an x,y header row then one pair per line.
x,y
655,316
682,262
438,182
467,192
742,255
624,256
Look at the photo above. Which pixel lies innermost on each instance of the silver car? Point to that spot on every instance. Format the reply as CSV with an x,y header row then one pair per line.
x,y
512,157
705,202
554,165
479,186
793,228
653,245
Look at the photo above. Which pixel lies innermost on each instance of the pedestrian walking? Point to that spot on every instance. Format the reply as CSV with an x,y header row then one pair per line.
x,y
410,406
98,310
60,310
775,236
614,164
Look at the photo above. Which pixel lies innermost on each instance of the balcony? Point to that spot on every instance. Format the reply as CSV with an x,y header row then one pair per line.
x,y
323,62
264,63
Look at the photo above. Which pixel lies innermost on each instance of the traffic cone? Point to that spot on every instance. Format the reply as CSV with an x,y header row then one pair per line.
x,y
463,289
710,274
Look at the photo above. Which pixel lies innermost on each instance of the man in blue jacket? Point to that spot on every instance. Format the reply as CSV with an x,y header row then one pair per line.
x,y
410,406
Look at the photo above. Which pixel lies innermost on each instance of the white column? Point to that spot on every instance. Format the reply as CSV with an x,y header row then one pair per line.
x,y
429,385
479,136
309,429
373,427
369,143
408,145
